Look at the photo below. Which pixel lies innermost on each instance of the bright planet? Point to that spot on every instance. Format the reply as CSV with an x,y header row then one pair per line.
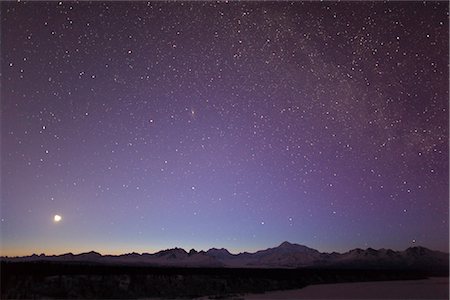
x,y
57,218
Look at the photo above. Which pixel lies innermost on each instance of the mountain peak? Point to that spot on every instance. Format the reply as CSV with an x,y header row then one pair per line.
x,y
90,253
218,253
286,244
418,250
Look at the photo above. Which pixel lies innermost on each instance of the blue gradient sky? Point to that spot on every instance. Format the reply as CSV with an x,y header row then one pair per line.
x,y
238,125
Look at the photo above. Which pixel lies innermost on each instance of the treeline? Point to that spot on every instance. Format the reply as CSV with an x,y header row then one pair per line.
x,y
87,280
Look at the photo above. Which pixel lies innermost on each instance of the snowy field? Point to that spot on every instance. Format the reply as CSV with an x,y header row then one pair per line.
x,y
433,288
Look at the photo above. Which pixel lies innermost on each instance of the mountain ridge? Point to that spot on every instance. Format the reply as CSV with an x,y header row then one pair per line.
x,y
285,244
285,255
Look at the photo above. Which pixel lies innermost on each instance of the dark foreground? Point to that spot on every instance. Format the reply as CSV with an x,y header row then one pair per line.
x,y
78,280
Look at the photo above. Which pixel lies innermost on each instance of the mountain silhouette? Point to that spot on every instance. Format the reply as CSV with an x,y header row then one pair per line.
x,y
286,255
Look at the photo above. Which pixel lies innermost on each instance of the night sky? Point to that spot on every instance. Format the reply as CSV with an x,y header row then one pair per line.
x,y
152,125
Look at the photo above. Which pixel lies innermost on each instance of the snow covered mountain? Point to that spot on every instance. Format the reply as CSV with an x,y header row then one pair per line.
x,y
286,255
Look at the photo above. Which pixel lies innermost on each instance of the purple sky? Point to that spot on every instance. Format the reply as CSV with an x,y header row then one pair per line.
x,y
238,125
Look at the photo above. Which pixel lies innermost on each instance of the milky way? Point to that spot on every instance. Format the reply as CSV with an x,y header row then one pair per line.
x,y
214,124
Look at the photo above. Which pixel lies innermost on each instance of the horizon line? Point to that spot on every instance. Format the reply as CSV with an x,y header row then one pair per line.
x,y
103,253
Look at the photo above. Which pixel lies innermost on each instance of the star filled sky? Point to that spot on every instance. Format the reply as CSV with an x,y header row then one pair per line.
x,y
150,125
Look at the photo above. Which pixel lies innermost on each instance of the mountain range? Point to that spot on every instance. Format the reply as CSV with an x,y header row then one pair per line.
x,y
286,255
